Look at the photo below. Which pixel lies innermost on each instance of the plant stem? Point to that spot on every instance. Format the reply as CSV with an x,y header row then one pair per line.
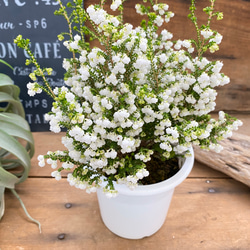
x,y
102,3
70,29
67,19
49,91
211,13
194,20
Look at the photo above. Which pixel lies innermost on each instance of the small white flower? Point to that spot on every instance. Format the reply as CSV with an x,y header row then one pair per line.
x,y
33,88
111,154
156,7
225,80
115,4
217,39
214,48
216,147
166,146
111,194
111,79
163,58
67,165
56,175
166,35
142,64
66,64
120,115
126,59
237,124
132,179
206,33
221,116
84,72
139,9
159,21
41,160
70,97
178,45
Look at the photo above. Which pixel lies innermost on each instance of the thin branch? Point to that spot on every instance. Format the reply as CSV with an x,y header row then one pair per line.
x,y
70,29
211,13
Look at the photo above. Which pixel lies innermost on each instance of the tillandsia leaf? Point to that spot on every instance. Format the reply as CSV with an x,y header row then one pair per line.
x,y
2,206
13,126
7,86
12,90
9,164
10,144
15,130
5,80
14,118
3,153
7,179
14,106
2,61
25,210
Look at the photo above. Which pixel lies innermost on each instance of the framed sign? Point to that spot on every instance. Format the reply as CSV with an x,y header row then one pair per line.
x,y
34,20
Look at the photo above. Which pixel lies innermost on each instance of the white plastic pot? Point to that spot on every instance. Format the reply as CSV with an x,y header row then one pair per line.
x,y
135,214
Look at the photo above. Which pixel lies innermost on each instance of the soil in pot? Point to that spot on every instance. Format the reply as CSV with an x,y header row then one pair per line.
x,y
160,170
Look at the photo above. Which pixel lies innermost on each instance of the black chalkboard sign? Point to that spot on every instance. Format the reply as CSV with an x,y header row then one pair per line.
x,y
33,19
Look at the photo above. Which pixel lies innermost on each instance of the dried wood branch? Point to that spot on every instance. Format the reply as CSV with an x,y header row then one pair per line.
x,y
233,160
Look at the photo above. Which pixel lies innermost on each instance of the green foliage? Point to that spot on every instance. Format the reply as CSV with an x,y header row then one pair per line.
x,y
16,140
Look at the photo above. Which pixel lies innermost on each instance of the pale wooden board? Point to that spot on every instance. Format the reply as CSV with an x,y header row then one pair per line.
x,y
202,215
234,49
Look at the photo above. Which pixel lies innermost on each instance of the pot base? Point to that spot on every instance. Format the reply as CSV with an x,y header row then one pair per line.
x,y
134,217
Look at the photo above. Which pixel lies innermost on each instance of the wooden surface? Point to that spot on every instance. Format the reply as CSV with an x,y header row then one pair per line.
x,y
209,210
234,50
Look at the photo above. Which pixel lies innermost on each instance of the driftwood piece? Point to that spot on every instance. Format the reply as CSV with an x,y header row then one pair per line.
x,y
233,160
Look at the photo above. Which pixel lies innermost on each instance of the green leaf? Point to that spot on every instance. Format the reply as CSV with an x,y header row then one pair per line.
x,y
10,89
14,105
10,144
14,118
5,80
1,201
7,179
15,130
2,61
9,164
3,153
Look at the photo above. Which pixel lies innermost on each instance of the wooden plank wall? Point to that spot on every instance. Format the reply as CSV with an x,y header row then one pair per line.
x,y
234,49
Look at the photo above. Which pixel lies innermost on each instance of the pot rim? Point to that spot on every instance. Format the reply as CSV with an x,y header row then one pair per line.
x,y
169,184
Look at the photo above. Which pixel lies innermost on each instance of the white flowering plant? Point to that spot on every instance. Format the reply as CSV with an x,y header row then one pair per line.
x,y
137,95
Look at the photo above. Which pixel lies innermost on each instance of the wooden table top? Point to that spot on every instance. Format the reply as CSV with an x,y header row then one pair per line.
x,y
209,210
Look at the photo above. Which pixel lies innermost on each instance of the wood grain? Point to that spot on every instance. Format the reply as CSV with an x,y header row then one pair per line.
x,y
234,49
203,215
233,160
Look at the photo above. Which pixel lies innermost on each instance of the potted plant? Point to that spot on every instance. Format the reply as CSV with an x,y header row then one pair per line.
x,y
16,141
136,99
